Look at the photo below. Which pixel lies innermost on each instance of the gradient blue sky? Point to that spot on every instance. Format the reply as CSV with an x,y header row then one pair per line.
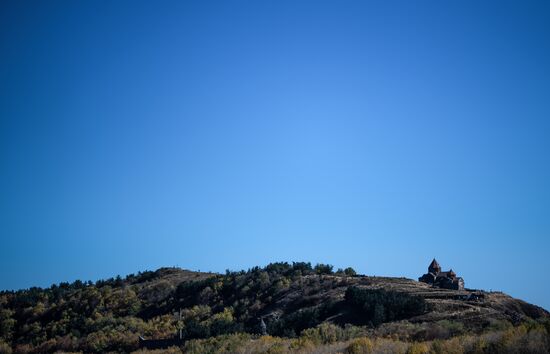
x,y
214,135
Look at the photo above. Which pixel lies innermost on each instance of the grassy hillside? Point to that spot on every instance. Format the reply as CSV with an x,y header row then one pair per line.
x,y
305,309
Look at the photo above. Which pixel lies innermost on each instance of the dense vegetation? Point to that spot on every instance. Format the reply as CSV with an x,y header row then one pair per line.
x,y
532,338
378,305
300,304
108,315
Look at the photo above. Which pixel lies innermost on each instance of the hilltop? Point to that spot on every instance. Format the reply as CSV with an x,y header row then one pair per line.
x,y
292,300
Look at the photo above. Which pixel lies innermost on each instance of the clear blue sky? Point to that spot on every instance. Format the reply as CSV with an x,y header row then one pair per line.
x,y
214,135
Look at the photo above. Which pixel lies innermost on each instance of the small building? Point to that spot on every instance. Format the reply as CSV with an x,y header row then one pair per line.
x,y
438,278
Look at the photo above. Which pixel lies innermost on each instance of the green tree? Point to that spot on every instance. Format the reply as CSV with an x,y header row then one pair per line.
x,y
323,268
350,272
6,324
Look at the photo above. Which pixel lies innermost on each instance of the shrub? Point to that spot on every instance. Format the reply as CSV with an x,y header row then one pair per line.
x,y
302,344
478,346
439,330
214,345
4,347
169,350
451,346
418,348
360,346
324,333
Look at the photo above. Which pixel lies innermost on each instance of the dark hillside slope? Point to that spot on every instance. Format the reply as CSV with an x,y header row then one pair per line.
x,y
110,315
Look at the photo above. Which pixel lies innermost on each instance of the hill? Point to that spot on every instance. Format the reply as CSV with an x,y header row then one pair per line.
x,y
297,302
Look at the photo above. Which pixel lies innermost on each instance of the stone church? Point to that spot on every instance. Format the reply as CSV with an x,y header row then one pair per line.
x,y
446,280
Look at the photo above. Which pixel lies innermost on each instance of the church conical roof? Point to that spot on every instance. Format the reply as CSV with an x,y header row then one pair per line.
x,y
434,264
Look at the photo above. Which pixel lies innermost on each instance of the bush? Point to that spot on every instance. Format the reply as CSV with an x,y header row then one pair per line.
x,y
302,344
360,346
325,333
4,347
451,346
215,345
439,330
418,348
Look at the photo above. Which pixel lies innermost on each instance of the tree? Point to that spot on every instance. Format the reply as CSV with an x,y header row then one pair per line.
x,y
378,305
323,268
6,324
350,272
